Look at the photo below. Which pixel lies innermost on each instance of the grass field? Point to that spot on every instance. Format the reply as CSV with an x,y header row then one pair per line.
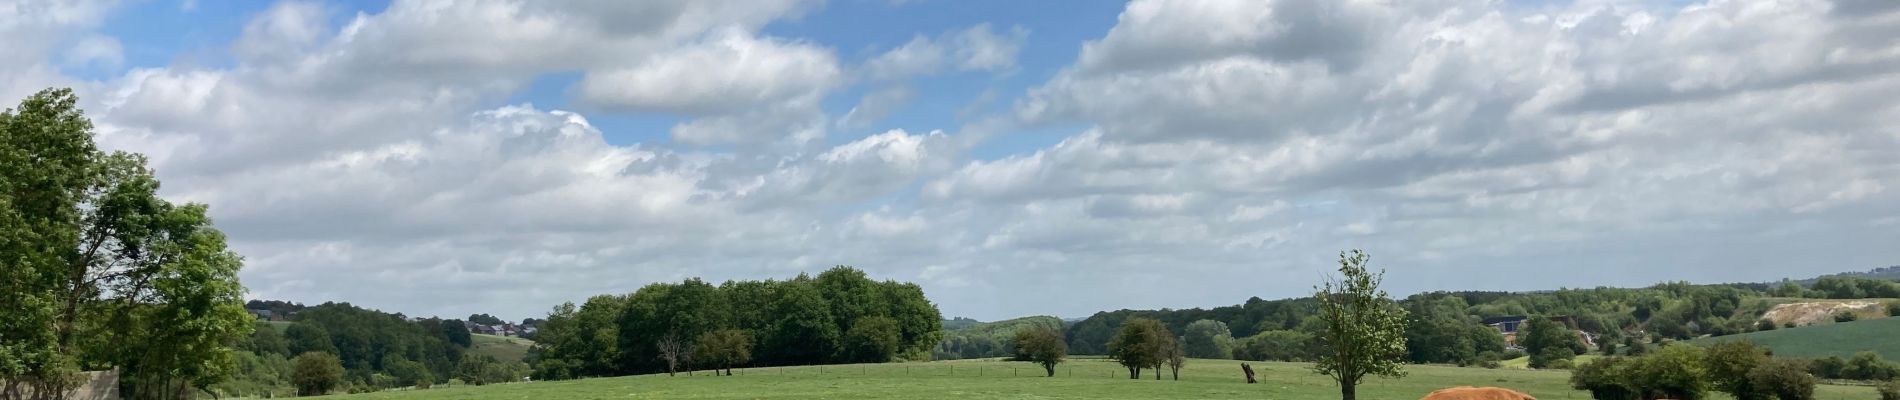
x,y
503,348
1835,339
1090,378
1525,362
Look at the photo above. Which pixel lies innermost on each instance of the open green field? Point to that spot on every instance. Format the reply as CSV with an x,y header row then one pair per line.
x,y
1091,378
1834,339
504,348
1525,362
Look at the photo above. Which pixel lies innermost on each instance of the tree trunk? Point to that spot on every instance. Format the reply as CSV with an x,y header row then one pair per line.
x,y
1134,373
1157,372
1348,391
1176,372
1051,367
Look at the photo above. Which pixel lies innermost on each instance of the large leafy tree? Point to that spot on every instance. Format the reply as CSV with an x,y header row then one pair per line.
x,y
1363,331
1208,339
315,373
101,271
1138,344
723,348
1041,345
1550,343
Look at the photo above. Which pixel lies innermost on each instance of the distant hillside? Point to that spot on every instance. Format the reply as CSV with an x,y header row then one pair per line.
x,y
984,340
959,323
1838,339
506,349
1889,273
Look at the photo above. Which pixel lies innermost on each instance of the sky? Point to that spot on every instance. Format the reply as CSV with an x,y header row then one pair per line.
x,y
1013,158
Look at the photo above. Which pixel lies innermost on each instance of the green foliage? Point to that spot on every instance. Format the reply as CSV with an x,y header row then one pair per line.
x,y
1838,287
1869,366
483,370
1438,330
1674,372
1363,332
1138,344
1893,308
1845,316
1764,325
316,373
1889,390
1208,339
1729,364
366,340
305,338
579,342
871,339
1276,346
1782,380
723,348
1605,378
102,271
1842,340
1548,342
1041,345
992,339
485,319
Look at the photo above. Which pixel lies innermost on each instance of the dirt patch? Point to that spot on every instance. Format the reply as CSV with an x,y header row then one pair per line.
x,y
1819,312
1477,393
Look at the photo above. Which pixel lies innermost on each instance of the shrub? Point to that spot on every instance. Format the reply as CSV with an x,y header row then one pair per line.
x,y
1868,365
1893,309
1488,359
1605,379
1829,368
1889,390
1728,367
1789,324
1764,325
1783,380
1552,358
1845,316
316,373
1512,354
1674,372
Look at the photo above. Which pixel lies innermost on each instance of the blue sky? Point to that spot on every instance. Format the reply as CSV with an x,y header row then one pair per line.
x,y
400,154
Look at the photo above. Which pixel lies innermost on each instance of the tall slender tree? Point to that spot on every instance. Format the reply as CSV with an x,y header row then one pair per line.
x,y
1363,331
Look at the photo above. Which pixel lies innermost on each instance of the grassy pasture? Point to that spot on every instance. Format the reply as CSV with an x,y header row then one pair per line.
x,y
506,349
1087,378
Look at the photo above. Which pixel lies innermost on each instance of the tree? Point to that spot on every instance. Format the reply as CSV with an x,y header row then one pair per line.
x,y
1605,379
1673,372
102,271
674,350
1729,364
1363,332
1174,354
723,348
1783,380
1845,316
1138,345
314,374
1041,345
1208,339
1276,346
872,339
1548,342
485,319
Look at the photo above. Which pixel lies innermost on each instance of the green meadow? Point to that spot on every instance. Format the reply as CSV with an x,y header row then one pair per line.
x,y
1086,378
1841,339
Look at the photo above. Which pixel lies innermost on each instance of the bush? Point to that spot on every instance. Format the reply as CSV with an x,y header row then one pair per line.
x,y
1604,378
1889,390
1845,316
1764,325
1552,358
1488,360
316,373
1512,354
1789,324
1729,364
1674,372
1829,368
1783,380
1869,366
1893,309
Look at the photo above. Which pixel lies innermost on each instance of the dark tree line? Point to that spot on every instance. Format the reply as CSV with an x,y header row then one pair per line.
x,y
839,316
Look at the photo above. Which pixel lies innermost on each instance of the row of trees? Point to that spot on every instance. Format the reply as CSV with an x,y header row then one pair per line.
x,y
100,271
840,316
1739,368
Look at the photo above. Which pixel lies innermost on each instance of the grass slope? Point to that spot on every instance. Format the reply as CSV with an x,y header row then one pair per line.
x,y
1835,339
1091,378
501,347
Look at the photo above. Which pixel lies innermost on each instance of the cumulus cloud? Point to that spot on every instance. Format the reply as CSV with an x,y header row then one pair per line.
x,y
1231,147
977,48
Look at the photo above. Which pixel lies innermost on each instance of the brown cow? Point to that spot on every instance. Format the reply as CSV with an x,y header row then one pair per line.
x,y
1477,393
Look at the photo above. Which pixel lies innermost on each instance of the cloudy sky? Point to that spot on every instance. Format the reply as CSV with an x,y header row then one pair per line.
x,y
1014,158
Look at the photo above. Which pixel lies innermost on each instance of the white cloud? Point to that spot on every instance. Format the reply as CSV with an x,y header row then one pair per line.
x,y
727,73
977,48
376,162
